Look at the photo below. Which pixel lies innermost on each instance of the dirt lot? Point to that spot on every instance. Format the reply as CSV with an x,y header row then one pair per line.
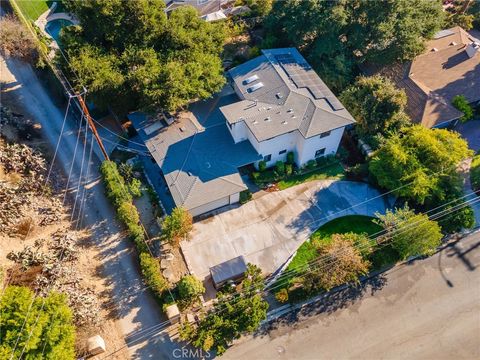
x,y
85,268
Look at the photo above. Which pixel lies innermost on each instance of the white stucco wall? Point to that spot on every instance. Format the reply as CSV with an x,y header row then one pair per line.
x,y
238,131
234,198
275,145
306,148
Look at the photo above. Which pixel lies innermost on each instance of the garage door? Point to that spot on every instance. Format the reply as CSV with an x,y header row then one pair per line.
x,y
210,206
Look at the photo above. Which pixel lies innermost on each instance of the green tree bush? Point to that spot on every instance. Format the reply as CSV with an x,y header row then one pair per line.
x,y
43,327
177,226
377,106
411,234
232,316
115,186
416,164
189,288
290,158
280,168
152,274
135,187
288,169
262,166
461,104
130,54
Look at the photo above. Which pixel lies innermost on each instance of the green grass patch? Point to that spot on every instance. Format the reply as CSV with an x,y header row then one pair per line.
x,y
32,9
333,171
475,173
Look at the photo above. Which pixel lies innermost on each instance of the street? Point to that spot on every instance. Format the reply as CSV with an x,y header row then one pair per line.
x,y
135,307
427,310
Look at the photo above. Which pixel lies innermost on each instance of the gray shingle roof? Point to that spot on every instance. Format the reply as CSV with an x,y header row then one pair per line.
x,y
292,97
199,167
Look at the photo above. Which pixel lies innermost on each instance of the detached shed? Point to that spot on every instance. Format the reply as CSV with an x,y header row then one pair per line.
x,y
231,270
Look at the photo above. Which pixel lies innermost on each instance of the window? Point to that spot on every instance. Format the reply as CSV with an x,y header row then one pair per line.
x,y
282,152
267,158
325,134
320,152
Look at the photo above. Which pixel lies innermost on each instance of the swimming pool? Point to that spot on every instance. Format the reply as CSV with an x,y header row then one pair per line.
x,y
53,28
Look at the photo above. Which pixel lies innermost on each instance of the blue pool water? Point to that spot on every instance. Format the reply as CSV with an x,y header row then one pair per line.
x,y
53,28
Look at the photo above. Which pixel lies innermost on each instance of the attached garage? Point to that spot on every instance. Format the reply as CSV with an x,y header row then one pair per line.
x,y
210,206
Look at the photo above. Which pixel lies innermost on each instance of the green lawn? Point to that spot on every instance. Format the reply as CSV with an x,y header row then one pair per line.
x,y
32,9
475,173
334,171
353,223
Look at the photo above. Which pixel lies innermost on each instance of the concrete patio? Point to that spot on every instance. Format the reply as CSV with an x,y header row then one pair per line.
x,y
268,230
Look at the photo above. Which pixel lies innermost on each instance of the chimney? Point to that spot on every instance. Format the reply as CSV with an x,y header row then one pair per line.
x,y
472,49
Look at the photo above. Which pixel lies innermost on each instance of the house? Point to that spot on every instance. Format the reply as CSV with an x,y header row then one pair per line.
x,y
450,66
209,10
284,107
280,105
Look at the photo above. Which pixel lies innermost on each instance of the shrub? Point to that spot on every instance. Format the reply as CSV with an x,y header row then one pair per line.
x,y
128,214
245,196
282,295
126,171
288,169
16,41
255,175
461,103
262,166
189,288
290,158
151,273
280,168
177,226
311,164
115,186
135,188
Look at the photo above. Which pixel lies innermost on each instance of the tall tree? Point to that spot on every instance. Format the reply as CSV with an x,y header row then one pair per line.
x,y
42,327
411,234
130,55
419,162
336,34
377,106
177,226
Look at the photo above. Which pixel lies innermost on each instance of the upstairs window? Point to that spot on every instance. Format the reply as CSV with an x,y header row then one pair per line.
x,y
267,158
282,152
325,134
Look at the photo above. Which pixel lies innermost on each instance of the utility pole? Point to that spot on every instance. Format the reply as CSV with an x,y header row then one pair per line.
x,y
92,126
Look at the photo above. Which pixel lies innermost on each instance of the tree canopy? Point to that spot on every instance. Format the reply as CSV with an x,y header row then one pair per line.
x,y
48,332
334,35
130,55
177,226
377,106
419,163
232,316
411,234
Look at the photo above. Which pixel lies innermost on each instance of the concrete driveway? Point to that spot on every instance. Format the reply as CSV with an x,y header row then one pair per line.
x,y
268,230
470,131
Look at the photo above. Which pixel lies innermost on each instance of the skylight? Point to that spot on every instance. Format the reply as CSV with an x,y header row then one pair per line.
x,y
250,79
255,87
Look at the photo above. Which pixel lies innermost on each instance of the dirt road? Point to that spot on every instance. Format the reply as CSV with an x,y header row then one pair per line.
x,y
135,307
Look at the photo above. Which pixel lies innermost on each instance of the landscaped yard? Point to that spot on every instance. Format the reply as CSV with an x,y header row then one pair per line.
x,y
333,171
381,256
475,173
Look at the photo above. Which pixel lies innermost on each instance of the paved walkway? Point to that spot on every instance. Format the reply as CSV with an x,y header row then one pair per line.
x,y
268,230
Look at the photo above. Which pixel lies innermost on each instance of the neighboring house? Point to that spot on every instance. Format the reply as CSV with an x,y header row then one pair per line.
x,y
450,66
209,10
285,107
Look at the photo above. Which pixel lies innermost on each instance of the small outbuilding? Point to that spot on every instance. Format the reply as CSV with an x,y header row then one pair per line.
x,y
231,270
173,313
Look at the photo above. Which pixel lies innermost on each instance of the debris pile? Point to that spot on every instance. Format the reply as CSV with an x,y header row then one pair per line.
x,y
22,193
58,256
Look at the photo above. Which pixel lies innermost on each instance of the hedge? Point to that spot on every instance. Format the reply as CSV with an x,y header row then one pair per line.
x,y
127,213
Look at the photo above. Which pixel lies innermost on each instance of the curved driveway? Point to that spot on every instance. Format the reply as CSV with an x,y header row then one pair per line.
x,y
268,230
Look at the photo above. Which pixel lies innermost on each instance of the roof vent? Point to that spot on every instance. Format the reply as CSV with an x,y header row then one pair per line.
x,y
250,79
267,119
434,50
472,49
284,122
182,129
255,87
453,43
254,122
279,95
290,110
